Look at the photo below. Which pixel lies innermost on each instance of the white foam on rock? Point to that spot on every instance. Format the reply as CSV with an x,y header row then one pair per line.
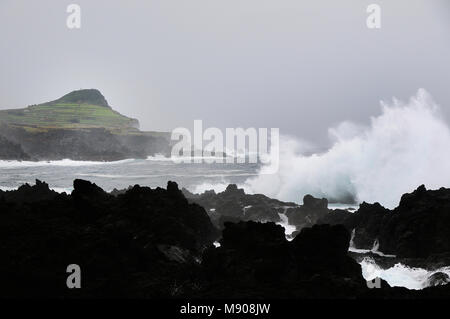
x,y
399,275
288,229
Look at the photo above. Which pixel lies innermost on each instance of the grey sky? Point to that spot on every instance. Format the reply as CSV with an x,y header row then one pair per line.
x,y
300,66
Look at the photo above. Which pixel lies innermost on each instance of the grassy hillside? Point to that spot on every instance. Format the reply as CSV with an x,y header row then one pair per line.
x,y
80,125
67,116
86,113
89,96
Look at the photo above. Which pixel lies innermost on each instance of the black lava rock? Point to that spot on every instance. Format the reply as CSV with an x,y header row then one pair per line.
x,y
143,243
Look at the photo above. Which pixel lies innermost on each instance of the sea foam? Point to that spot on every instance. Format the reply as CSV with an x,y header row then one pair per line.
x,y
399,275
405,146
5,164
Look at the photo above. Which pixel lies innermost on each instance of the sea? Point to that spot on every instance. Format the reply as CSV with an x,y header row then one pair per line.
x,y
155,171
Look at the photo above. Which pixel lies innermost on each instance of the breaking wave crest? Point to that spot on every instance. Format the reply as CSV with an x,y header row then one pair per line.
x,y
407,145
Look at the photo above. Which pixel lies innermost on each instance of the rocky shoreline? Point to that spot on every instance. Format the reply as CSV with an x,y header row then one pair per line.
x,y
159,243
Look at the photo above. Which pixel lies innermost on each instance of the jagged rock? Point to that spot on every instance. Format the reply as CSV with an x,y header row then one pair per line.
x,y
116,191
251,256
255,259
234,205
233,191
335,217
220,220
29,194
261,213
437,279
153,243
323,248
86,189
230,208
250,235
419,226
367,223
309,213
139,243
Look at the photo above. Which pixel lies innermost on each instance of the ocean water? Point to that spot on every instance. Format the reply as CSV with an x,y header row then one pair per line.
x,y
153,172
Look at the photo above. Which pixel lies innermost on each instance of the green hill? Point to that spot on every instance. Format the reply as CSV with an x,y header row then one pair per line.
x,y
89,96
76,110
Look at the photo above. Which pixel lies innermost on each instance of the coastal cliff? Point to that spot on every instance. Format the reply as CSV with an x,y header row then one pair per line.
x,y
80,125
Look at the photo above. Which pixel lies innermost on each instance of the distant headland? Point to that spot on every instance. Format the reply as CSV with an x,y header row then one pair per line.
x,y
80,125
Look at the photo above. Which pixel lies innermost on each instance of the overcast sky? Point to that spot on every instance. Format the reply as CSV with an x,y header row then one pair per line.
x,y
296,65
